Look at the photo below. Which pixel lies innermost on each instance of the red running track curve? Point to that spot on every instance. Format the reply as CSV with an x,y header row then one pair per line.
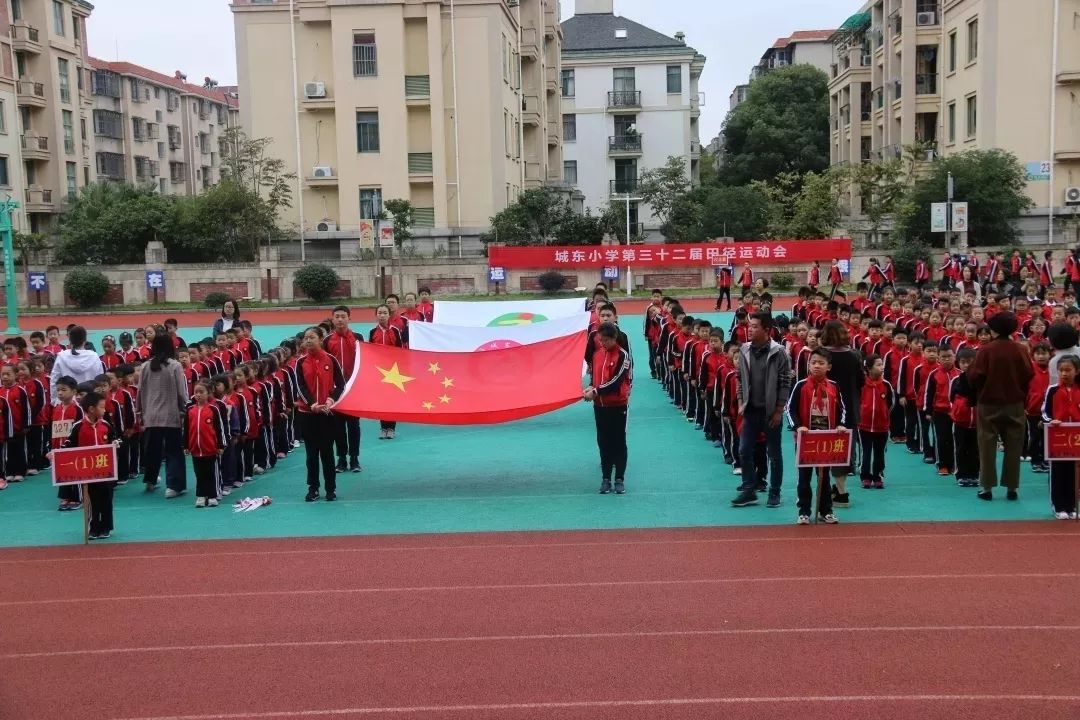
x,y
885,621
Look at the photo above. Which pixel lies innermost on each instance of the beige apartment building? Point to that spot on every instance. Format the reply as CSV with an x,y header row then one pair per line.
x,y
960,75
453,106
11,173
150,128
48,43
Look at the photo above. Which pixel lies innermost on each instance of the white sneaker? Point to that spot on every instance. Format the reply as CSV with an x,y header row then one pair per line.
x,y
225,492
32,472
259,470
1062,515
170,494
246,480
803,520
17,478
296,443
200,502
1072,516
212,502
736,471
391,434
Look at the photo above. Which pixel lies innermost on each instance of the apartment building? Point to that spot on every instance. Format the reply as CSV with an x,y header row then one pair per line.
x,y
11,172
630,101
961,75
152,128
446,105
802,47
48,42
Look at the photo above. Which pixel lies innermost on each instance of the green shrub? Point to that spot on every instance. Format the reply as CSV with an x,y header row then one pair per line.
x,y
317,281
551,281
782,280
215,300
86,287
904,258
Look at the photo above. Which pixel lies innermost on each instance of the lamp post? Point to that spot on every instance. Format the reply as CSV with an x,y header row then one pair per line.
x,y
6,230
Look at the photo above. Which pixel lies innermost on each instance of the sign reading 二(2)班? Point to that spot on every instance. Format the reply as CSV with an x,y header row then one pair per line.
x,y
1062,442
93,464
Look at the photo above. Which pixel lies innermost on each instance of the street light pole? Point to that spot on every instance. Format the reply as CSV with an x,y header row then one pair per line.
x,y
6,207
948,215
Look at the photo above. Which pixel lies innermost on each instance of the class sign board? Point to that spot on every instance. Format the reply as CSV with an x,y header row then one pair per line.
x,y
75,466
1062,442
823,448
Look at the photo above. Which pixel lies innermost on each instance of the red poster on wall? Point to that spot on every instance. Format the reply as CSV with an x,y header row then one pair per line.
x,y
761,252
1062,441
823,448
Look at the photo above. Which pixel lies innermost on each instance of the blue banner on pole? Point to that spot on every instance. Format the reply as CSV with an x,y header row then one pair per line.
x,y
611,273
37,281
155,279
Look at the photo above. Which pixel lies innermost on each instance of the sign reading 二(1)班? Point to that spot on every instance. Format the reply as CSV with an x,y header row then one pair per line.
x,y
1062,442
74,466
823,448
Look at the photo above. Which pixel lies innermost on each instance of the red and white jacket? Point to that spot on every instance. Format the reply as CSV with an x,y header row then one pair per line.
x,y
88,434
64,418
611,377
875,404
318,377
343,347
1062,402
19,413
811,398
936,393
204,430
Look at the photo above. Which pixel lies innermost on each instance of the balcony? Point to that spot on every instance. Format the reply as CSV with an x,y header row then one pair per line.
x,y
530,46
554,132
30,93
695,106
24,38
623,99
695,149
320,181
530,110
39,200
533,172
35,147
417,89
926,84
845,114
625,186
551,76
624,145
865,112
420,167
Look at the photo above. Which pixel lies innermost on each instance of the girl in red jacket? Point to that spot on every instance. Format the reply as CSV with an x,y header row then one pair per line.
x,y
1062,405
35,425
204,441
19,418
251,427
962,411
875,408
609,392
320,383
1040,361
385,333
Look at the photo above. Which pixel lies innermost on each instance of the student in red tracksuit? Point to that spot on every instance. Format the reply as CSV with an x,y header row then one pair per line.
x,y
723,284
19,418
923,361
251,426
386,333
813,276
320,384
815,404
963,414
936,408
425,304
835,277
675,361
609,391
35,424
892,358
1040,362
876,402
109,357
746,278
64,414
412,311
1046,273
713,364
90,431
1062,405
205,440
653,314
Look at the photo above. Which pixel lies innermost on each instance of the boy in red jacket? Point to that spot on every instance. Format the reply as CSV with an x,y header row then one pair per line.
x,y
92,430
875,407
892,362
905,391
815,404
19,419
204,441
1040,361
64,414
713,364
928,366
962,399
936,408
609,391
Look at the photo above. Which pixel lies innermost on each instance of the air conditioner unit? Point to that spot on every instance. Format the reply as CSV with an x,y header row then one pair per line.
x,y
1072,197
322,171
926,18
315,89
326,226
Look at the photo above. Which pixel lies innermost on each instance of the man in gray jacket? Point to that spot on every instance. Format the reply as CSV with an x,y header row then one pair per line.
x,y
764,387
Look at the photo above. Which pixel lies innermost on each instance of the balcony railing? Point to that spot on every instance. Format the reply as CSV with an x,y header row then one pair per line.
x,y
926,84
29,87
38,196
626,186
624,143
35,142
624,98
24,32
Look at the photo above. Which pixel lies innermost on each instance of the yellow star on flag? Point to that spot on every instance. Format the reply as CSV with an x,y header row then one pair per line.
x,y
394,377
428,406
444,399
448,382
434,368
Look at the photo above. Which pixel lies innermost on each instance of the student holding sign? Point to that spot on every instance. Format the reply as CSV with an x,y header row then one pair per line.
x,y
815,404
1062,405
64,416
93,431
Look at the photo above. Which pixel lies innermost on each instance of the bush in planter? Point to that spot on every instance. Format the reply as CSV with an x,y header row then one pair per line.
x,y
86,287
215,300
317,281
551,281
783,280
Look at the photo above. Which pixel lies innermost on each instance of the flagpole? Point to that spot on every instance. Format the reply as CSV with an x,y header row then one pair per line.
x,y
296,119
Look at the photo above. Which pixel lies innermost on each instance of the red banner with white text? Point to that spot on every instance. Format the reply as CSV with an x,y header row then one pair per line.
x,y
760,252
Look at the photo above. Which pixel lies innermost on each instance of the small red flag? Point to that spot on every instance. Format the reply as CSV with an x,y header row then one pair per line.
x,y
474,388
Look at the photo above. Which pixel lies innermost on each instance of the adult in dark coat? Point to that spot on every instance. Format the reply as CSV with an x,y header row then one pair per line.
x,y
846,370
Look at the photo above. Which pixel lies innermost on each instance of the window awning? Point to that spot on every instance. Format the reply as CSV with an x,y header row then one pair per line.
x,y
858,21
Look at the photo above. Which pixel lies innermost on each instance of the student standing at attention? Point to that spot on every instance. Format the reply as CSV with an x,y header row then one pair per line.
x,y
609,392
320,383
815,404
1062,405
90,431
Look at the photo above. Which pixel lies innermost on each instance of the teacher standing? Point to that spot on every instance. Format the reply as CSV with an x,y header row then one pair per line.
x,y
76,362
162,397
230,317
1000,377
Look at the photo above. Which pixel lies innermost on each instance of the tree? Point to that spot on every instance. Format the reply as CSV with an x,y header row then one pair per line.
x,y
992,182
783,126
661,188
532,220
883,186
247,162
733,211
709,176
801,207
26,244
227,223
402,212
587,229
112,223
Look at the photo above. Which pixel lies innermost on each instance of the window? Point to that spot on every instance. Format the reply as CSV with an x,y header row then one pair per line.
x,y
16,9
951,122
674,78
370,202
568,89
110,165
109,124
161,150
157,96
76,31
4,180
364,55
82,128
623,80
105,83
158,116
972,115
58,17
570,172
20,64
3,117
24,119
952,51
569,128
973,40
72,171
65,83
69,132
367,132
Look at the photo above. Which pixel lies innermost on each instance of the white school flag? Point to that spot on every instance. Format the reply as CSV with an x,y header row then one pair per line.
x,y
450,338
505,313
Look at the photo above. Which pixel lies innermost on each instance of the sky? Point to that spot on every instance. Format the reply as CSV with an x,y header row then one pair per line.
x,y
196,36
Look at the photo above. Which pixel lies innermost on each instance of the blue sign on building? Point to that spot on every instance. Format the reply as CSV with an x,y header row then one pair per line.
x,y
37,281
496,274
611,273
155,279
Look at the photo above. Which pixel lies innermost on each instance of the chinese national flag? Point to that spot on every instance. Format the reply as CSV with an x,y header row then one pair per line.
x,y
456,388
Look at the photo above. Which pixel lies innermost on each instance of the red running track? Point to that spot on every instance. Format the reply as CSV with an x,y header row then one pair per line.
x,y
882,621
